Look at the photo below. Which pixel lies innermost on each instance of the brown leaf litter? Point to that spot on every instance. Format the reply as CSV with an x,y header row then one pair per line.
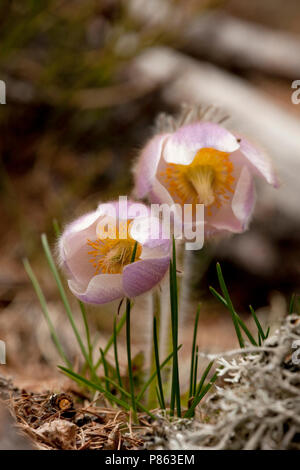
x,y
56,422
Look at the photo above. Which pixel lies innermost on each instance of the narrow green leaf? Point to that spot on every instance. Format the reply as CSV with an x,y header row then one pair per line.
x,y
57,231
158,395
218,296
56,227
190,412
157,364
237,317
247,332
126,394
257,322
292,304
150,380
230,305
116,354
195,371
203,378
105,366
66,303
259,339
87,330
95,386
43,302
193,351
111,339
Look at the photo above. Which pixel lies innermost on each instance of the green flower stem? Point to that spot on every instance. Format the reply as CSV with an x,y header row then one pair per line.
x,y
128,344
116,354
111,340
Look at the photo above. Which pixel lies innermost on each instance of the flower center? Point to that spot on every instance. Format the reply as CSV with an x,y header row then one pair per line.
x,y
202,178
109,256
207,180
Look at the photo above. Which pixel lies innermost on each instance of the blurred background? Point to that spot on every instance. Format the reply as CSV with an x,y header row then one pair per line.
x,y
85,80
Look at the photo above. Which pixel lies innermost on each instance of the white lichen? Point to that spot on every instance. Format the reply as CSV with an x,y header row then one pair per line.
x,y
257,407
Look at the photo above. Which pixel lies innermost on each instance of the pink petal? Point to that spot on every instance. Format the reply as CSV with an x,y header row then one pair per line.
x,y
77,233
182,146
101,289
235,215
78,266
145,168
259,161
223,220
244,197
141,276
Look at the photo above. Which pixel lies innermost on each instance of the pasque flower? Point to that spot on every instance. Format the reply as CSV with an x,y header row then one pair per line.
x,y
96,250
201,162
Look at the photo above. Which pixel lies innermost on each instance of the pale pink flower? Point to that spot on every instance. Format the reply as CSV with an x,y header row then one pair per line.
x,y
202,162
99,269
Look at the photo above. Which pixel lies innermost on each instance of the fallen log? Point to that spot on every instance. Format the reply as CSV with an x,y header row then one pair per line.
x,y
230,41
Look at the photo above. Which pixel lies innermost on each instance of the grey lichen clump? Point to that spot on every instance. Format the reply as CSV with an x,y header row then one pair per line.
x,y
258,407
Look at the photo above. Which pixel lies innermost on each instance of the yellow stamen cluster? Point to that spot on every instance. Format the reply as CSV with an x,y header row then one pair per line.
x,y
109,256
207,180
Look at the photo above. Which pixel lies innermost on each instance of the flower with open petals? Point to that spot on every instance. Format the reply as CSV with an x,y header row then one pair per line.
x,y
203,163
96,253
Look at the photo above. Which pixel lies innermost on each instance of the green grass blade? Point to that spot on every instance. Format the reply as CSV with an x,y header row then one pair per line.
x,y
116,354
259,339
95,386
128,395
247,332
201,383
157,365
57,231
150,380
218,296
158,395
230,305
66,303
190,412
257,322
237,317
203,378
87,330
292,304
193,351
56,228
128,344
105,367
111,340
195,372
43,302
